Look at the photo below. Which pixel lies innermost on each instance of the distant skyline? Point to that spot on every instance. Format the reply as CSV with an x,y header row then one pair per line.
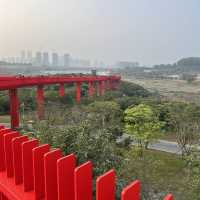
x,y
147,31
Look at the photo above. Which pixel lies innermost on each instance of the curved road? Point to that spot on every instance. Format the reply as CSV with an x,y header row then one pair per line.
x,y
166,146
160,145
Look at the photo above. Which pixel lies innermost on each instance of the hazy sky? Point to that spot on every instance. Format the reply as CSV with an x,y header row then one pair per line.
x,y
148,31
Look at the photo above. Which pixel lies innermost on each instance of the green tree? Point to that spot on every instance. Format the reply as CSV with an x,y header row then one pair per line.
x,y
185,118
80,131
193,166
143,124
131,89
4,103
107,111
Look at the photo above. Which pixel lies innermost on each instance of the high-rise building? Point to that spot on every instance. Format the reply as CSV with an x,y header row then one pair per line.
x,y
12,60
66,60
29,57
18,59
55,59
23,56
38,58
45,60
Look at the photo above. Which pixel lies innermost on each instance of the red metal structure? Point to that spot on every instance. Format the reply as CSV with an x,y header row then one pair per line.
x,y
30,171
12,83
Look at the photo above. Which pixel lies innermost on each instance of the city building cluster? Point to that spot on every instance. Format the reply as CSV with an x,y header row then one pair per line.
x,y
45,59
56,60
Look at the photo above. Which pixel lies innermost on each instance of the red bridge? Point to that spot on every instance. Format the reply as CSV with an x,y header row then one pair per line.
x,y
12,83
31,171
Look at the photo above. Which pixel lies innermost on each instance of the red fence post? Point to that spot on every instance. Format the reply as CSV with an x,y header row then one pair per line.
x,y
9,152
78,92
27,160
169,197
14,108
62,90
17,158
40,101
50,171
38,170
83,182
65,176
132,191
2,149
105,186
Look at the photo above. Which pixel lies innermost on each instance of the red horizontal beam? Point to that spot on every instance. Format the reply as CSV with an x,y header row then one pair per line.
x,y
10,82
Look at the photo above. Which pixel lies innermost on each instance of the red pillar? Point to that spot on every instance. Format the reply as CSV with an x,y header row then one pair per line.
x,y
117,84
40,101
90,89
101,88
14,108
114,84
78,92
62,90
110,84
107,84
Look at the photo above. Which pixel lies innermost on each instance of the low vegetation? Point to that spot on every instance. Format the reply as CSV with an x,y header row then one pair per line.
x,y
97,130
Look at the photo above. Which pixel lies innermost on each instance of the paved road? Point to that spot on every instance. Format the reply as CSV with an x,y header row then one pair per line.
x,y
166,146
160,145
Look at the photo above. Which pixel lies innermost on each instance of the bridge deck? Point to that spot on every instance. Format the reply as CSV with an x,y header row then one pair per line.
x,y
10,82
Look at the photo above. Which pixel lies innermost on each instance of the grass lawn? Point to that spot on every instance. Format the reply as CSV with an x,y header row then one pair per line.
x,y
160,173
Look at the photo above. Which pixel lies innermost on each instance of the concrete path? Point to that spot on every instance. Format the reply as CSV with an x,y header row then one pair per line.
x,y
160,145
166,146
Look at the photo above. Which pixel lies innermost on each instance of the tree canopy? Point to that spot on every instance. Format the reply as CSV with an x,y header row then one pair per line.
x,y
142,123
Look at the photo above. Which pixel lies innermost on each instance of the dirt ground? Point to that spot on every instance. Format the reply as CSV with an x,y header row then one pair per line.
x,y
175,90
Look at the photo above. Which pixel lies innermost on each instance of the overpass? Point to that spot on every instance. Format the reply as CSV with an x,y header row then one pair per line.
x,y
12,83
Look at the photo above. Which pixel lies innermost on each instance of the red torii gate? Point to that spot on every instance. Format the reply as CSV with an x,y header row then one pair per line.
x,y
12,83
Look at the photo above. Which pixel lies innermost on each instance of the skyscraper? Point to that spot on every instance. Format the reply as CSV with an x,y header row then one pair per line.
x,y
23,56
29,57
66,60
45,60
55,59
38,58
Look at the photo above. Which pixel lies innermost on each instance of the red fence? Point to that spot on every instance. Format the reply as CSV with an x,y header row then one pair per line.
x,y
30,171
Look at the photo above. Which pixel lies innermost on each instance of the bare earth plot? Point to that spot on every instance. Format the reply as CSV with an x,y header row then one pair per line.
x,y
175,90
